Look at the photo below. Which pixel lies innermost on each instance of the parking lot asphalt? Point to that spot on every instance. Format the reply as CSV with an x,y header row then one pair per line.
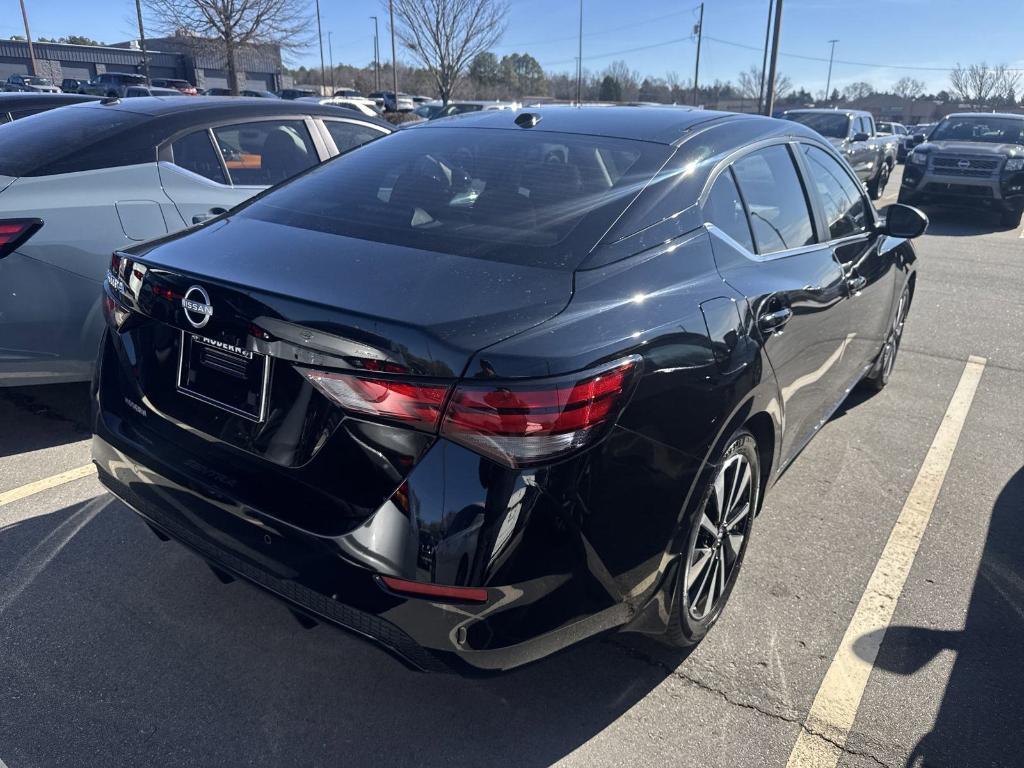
x,y
119,650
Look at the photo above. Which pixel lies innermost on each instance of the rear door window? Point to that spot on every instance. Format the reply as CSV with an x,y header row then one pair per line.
x,y
348,135
779,216
196,153
260,154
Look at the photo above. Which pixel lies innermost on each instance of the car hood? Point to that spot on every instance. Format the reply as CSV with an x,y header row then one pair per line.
x,y
835,142
973,148
434,308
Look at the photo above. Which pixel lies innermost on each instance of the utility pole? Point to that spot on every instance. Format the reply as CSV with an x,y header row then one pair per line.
x,y
764,61
376,53
330,52
28,37
579,62
696,69
394,56
320,41
828,83
142,40
769,102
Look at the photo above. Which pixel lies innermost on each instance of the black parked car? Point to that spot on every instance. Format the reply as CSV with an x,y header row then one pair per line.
x,y
970,160
478,394
14,106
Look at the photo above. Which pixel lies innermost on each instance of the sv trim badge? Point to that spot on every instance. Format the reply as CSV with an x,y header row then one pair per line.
x,y
196,304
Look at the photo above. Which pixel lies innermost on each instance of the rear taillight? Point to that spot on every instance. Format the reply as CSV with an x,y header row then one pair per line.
x,y
14,232
414,403
435,591
524,423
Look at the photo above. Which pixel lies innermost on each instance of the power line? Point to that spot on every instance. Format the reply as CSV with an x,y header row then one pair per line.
x,y
609,54
618,29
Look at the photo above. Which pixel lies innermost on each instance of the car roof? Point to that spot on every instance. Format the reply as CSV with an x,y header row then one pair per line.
x,y
660,125
825,111
1012,115
23,100
217,107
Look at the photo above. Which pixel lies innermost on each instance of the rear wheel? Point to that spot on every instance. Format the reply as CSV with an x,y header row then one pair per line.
x,y
877,185
887,357
719,530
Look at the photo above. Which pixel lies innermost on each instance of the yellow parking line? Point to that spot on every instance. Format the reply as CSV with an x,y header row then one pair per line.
x,y
824,732
16,494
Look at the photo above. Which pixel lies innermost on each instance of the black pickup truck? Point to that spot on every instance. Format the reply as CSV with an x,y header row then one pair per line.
x,y
871,155
970,160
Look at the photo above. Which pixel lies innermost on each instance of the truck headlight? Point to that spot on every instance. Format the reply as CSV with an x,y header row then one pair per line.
x,y
918,158
1015,164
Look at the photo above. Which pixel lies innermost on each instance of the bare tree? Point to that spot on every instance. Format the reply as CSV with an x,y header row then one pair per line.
x,y
908,88
858,90
750,83
234,24
980,83
446,35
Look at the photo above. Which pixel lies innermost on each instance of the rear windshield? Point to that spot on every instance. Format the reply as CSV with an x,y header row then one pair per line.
x,y
995,130
55,141
519,196
835,126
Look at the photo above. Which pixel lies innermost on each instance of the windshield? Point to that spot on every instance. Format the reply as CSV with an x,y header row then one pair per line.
x,y
834,126
503,195
993,130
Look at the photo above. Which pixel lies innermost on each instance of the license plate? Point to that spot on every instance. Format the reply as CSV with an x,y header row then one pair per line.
x,y
224,376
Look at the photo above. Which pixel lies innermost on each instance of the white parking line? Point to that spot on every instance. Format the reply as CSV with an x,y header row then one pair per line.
x,y
824,732
16,494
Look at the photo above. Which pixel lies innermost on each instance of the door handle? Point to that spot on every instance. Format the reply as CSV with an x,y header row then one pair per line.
x,y
772,322
856,283
213,213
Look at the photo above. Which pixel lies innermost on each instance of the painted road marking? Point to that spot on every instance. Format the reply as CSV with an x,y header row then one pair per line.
x,y
46,483
824,732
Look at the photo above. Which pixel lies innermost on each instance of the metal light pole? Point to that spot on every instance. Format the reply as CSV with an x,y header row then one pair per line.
x,y
142,40
376,53
696,68
764,61
394,56
769,102
28,37
330,52
579,62
828,83
320,40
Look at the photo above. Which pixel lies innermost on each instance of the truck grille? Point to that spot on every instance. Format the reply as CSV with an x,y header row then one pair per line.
x,y
965,166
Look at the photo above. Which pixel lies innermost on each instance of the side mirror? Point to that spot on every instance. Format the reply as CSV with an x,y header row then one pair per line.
x,y
904,221
918,138
860,137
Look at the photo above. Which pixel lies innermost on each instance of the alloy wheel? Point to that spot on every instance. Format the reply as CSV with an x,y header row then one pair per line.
x,y
892,345
724,524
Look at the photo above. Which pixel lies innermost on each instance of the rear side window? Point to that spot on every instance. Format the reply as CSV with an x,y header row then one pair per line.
x,y
775,199
350,135
724,209
196,153
74,138
840,197
522,197
265,153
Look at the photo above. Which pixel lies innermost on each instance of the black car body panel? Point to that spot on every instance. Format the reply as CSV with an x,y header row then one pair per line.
x,y
14,106
319,504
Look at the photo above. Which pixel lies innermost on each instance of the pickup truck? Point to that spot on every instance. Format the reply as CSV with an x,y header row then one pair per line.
x,y
871,155
30,84
113,84
973,160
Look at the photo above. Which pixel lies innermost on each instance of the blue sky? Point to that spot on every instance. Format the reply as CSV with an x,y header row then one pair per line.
x,y
885,34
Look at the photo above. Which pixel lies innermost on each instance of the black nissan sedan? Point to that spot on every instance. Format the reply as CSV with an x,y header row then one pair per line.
x,y
498,383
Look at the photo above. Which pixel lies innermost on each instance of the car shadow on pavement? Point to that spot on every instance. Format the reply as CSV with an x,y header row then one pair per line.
x,y
117,649
979,719
961,222
43,417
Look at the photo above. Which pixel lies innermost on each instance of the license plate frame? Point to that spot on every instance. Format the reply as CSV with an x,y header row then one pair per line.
x,y
208,370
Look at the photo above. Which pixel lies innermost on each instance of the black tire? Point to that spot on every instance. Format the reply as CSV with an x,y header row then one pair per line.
x,y
1011,219
877,185
879,377
695,609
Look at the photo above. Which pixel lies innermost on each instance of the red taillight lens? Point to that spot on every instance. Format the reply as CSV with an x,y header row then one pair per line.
x,y
520,424
14,232
417,404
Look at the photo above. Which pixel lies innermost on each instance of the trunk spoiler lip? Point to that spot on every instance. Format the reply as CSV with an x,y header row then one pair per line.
x,y
302,344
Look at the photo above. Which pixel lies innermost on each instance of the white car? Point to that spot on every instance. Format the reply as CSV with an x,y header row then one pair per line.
x,y
79,182
358,103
